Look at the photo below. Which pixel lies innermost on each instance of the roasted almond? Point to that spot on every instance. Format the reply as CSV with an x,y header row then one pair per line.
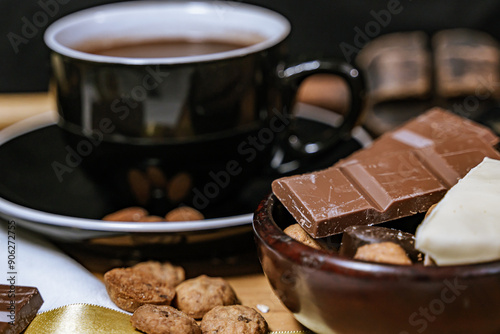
x,y
383,252
130,214
184,213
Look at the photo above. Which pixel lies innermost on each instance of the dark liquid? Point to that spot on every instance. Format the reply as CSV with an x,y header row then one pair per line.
x,y
161,48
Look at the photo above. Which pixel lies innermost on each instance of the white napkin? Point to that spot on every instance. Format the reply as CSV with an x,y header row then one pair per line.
x,y
59,278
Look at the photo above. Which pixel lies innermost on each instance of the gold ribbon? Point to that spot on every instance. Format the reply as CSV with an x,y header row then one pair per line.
x,y
81,319
90,319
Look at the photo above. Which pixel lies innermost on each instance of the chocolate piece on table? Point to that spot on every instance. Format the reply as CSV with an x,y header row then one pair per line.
x,y
360,235
18,307
404,172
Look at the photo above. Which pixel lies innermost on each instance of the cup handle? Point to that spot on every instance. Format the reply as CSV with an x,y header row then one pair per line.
x,y
291,78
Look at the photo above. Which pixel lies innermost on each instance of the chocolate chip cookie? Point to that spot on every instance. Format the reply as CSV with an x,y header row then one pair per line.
x,y
163,319
197,296
233,319
129,288
166,271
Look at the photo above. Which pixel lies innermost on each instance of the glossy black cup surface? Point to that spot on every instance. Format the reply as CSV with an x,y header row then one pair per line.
x,y
211,121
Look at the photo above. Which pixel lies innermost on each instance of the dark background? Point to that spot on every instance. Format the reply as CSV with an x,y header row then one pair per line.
x,y
319,28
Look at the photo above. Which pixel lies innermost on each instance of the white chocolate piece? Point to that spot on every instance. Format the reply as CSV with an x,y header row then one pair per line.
x,y
464,227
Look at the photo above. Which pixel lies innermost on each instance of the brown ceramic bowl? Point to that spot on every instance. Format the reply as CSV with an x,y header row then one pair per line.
x,y
329,293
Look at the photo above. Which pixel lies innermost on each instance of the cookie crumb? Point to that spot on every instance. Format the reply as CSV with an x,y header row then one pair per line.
x,y
263,308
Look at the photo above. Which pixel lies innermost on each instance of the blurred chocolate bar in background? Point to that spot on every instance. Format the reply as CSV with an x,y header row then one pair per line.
x,y
466,62
410,72
398,66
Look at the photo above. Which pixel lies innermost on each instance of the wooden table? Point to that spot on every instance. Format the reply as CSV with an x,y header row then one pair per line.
x,y
252,289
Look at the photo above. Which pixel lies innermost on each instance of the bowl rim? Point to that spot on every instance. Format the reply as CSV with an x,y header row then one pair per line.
x,y
269,234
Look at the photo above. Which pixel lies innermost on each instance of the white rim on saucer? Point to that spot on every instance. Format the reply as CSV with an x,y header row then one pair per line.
x,y
167,19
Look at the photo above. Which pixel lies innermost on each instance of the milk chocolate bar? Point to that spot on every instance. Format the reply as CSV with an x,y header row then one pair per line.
x,y
404,172
18,307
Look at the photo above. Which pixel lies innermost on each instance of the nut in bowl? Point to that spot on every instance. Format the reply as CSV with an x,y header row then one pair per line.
x,y
330,291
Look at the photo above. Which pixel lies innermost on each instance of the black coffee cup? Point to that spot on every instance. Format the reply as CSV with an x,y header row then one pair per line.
x,y
181,128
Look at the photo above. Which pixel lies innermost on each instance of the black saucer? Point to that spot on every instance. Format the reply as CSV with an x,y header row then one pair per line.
x,y
70,211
